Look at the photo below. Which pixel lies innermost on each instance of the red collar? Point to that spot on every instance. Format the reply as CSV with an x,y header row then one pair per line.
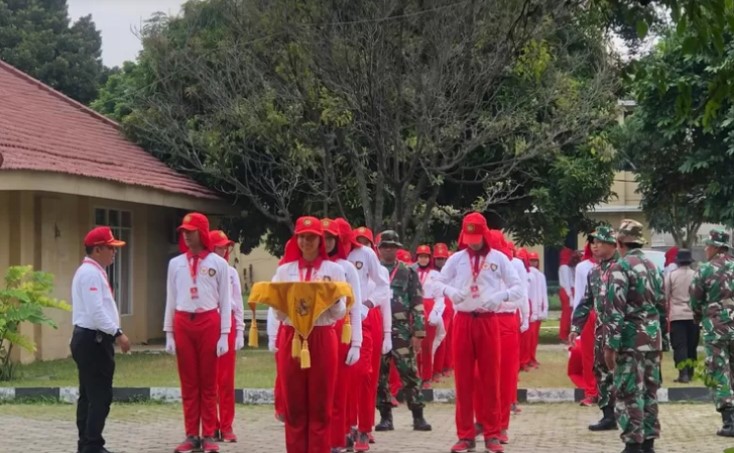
x,y
203,254
303,264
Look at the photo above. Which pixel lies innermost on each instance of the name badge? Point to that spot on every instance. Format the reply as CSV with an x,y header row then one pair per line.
x,y
194,292
474,291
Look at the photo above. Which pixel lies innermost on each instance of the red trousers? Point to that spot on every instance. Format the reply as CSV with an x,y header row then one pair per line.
x,y
360,408
477,350
308,393
225,384
575,368
566,312
196,336
509,327
425,358
535,337
375,326
278,390
587,354
443,360
339,425
526,346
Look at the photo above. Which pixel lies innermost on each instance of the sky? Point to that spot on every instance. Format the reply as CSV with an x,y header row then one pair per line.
x,y
117,20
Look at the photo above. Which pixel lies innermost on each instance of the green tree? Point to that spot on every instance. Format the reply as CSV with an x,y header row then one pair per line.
x,y
394,113
36,36
24,298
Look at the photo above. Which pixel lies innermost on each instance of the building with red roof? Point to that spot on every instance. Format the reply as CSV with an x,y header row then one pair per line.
x,y
64,169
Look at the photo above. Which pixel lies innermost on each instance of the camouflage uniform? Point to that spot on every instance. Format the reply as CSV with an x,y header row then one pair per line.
x,y
407,322
712,302
594,299
635,327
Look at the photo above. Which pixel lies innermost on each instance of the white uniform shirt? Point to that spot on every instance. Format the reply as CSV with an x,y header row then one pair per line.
x,y
327,271
494,271
541,293
212,285
581,275
355,314
565,279
92,303
432,289
522,303
236,294
375,282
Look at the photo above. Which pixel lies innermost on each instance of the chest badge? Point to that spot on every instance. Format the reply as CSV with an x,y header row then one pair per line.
x,y
212,272
358,265
493,266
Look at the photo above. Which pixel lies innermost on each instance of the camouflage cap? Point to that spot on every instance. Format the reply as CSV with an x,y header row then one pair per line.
x,y
604,233
630,232
718,237
390,237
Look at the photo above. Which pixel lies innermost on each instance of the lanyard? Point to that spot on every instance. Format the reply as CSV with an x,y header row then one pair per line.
x,y
193,267
104,273
475,272
394,271
423,274
308,274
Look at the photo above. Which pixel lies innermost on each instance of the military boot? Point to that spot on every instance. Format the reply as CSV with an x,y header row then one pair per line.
x,y
648,446
385,420
632,448
727,416
608,422
419,423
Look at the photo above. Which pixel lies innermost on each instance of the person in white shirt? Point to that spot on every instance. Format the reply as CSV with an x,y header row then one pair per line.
x,y
225,373
581,276
433,307
540,306
377,321
521,259
565,280
96,329
309,392
443,357
198,290
348,353
513,318
478,280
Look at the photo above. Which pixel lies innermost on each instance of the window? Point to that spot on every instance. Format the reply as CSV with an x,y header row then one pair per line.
x,y
120,273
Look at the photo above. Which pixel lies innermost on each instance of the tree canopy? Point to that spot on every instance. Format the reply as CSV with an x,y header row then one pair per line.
x,y
403,114
37,37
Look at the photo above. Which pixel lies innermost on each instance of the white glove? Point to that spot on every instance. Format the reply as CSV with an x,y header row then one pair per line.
x,y
239,341
533,318
352,355
170,343
271,345
434,318
456,295
223,344
494,300
524,326
387,344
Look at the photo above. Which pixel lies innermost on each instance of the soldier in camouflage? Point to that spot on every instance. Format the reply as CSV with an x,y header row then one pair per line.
x,y
604,248
408,331
635,333
712,302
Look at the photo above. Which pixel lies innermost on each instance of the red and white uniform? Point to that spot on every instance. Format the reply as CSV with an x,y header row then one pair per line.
x,y
225,373
433,306
582,271
540,310
375,285
309,393
478,282
566,282
198,289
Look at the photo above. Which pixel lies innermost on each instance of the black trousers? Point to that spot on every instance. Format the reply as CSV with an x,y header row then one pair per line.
x,y
94,354
684,337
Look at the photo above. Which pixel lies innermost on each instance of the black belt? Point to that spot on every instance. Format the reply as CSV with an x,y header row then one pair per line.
x,y
98,334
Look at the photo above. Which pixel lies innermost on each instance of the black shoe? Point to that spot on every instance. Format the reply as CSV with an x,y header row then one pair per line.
x,y
350,441
632,448
385,420
648,446
607,423
727,417
420,423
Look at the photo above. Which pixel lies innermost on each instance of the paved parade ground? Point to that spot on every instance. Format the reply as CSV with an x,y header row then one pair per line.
x,y
156,428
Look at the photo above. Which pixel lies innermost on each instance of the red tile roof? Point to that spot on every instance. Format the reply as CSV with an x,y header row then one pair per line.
x,y
43,130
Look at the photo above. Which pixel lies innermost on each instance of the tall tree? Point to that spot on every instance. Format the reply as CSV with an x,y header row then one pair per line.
x,y
389,112
36,36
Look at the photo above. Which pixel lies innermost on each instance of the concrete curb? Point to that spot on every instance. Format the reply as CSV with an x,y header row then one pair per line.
x,y
265,396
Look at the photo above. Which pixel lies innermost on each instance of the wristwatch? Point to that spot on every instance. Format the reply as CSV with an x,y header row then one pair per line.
x,y
118,333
